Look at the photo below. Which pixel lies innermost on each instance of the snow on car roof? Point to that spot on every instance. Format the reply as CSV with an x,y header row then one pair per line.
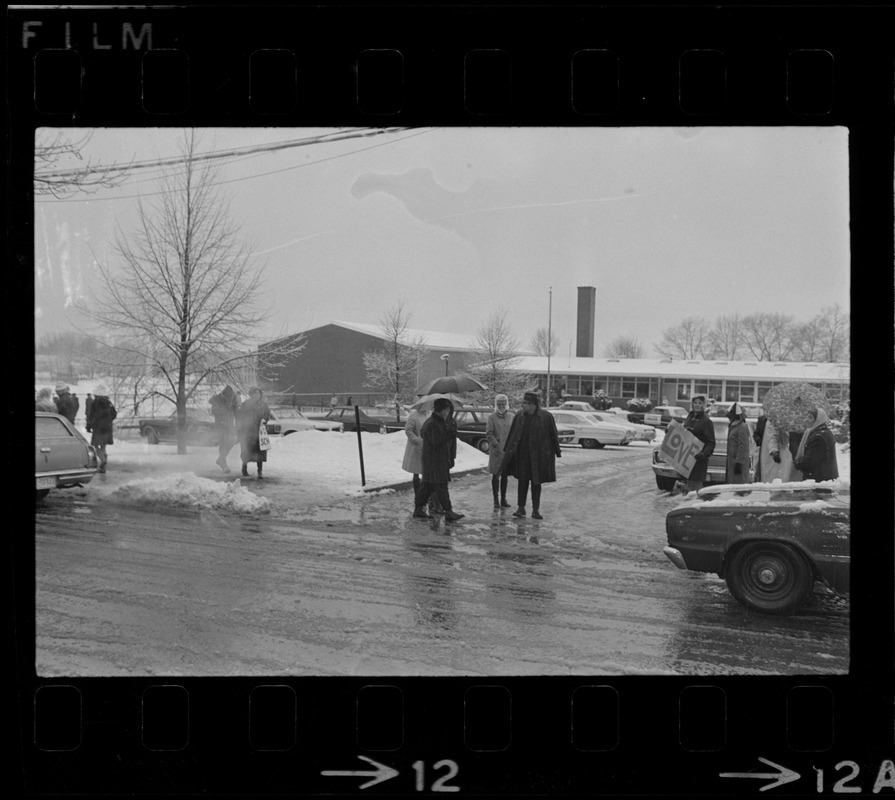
x,y
761,494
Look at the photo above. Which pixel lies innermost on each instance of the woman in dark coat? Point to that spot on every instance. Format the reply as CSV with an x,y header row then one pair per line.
x,y
99,423
700,425
738,446
816,456
439,452
530,453
251,414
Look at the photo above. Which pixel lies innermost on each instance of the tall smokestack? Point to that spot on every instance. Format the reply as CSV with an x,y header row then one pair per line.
x,y
587,299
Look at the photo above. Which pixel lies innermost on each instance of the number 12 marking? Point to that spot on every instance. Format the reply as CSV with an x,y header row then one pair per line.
x,y
440,785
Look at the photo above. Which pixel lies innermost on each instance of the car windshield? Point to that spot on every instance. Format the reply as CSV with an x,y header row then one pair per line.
x,y
286,413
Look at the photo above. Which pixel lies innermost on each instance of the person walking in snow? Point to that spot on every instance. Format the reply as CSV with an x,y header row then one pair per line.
x,y
738,446
816,456
99,424
497,429
439,454
413,449
224,408
530,453
251,414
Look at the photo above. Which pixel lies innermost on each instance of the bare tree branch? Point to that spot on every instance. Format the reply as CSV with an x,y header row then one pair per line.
x,y
49,149
623,347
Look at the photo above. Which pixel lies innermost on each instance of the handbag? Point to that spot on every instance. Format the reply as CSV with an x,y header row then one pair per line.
x,y
263,437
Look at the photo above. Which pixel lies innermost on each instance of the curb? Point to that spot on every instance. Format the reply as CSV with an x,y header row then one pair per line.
x,y
409,484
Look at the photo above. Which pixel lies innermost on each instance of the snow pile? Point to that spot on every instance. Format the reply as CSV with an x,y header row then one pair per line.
x,y
186,489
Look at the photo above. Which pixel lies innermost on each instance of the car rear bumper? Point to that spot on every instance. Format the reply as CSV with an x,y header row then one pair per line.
x,y
676,557
63,479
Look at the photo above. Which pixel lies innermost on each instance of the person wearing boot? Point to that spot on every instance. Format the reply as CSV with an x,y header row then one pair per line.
x,y
530,453
438,458
99,425
497,428
252,413
224,408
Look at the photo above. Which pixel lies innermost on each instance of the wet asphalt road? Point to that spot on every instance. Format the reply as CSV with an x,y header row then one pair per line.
x,y
361,588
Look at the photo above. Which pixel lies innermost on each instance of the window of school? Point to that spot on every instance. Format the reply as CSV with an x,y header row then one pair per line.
x,y
763,388
614,387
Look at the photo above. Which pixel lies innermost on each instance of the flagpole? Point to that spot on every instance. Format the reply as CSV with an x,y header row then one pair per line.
x,y
549,341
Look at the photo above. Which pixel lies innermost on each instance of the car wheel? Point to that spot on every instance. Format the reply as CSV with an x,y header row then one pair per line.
x,y
768,577
40,494
665,484
587,443
484,445
151,435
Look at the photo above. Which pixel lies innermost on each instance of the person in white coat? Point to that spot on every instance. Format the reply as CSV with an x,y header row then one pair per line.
x,y
497,428
775,456
413,449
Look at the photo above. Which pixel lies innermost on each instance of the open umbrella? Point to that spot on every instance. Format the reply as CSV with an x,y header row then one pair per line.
x,y
426,402
785,405
453,384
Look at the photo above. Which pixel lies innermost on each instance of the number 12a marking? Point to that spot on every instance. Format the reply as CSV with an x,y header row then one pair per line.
x,y
440,785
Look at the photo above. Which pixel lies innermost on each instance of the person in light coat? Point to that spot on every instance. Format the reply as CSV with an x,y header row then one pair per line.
x,y
738,446
413,449
497,429
775,457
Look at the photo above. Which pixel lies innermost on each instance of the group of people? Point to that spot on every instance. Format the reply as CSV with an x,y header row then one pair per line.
x,y
240,421
522,445
98,411
779,457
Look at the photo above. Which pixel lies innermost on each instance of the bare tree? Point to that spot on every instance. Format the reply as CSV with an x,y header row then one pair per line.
x,y
394,367
52,149
833,332
184,289
498,351
806,340
687,339
768,337
725,338
540,344
623,347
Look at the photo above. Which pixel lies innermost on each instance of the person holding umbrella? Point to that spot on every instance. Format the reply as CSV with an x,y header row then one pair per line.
x,y
530,453
816,456
439,453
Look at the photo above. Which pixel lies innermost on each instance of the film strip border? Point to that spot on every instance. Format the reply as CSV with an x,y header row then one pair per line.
x,y
691,66
509,736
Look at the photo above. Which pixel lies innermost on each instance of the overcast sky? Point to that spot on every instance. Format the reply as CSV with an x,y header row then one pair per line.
x,y
664,222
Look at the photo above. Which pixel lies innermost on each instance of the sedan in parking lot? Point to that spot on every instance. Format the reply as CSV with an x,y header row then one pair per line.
x,y
62,456
658,417
471,423
639,433
588,431
288,419
370,419
200,428
769,541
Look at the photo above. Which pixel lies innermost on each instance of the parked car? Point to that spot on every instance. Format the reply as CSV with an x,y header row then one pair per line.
x,y
667,476
588,431
200,430
717,408
370,419
639,433
659,417
577,405
471,424
770,542
288,419
62,456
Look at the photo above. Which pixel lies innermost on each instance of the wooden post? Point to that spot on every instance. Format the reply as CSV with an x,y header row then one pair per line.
x,y
360,446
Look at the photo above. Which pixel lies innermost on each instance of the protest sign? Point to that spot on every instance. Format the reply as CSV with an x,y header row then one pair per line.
x,y
679,448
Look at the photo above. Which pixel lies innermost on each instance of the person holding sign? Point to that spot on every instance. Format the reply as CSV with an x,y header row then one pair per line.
x,y
737,446
253,413
699,425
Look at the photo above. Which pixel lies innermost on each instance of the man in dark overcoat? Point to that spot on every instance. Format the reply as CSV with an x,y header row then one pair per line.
x,y
224,407
99,424
65,403
700,425
439,452
530,453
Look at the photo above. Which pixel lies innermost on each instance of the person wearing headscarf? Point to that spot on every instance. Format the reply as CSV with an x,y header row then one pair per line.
x,y
224,408
413,449
738,446
775,457
45,401
497,429
251,414
816,456
699,424
65,403
530,453
439,453
99,424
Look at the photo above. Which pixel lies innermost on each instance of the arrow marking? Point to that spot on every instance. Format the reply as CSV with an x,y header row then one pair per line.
x,y
380,774
783,775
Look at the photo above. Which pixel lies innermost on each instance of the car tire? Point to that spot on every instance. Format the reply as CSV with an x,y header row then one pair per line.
x,y
587,444
151,435
40,494
484,445
768,577
665,484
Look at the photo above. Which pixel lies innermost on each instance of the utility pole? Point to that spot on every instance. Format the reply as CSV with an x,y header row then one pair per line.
x,y
549,340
